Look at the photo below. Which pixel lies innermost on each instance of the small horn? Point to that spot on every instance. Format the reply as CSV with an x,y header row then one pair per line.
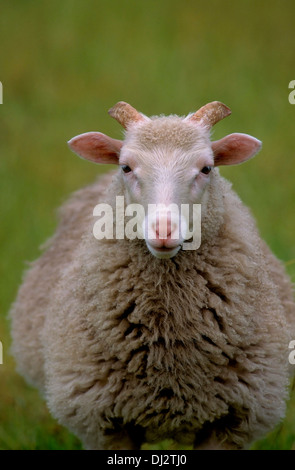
x,y
210,114
125,114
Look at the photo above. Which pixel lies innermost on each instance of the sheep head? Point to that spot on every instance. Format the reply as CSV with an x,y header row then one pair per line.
x,y
166,162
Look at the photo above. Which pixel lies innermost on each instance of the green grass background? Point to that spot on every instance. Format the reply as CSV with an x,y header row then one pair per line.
x,y
64,64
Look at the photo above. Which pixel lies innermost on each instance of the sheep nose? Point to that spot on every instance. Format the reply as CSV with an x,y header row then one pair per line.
x,y
162,226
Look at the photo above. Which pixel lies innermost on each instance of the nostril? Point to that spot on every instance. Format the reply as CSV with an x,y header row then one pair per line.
x,y
174,228
162,227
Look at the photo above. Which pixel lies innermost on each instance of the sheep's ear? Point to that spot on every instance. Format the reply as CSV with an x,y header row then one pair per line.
x,y
96,147
234,149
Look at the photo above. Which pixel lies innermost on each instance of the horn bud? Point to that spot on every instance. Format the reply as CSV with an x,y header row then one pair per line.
x,y
210,114
125,114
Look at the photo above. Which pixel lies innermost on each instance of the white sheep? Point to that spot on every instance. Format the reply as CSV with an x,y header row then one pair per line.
x,y
135,341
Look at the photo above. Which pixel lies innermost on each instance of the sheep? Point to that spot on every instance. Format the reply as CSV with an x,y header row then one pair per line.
x,y
137,340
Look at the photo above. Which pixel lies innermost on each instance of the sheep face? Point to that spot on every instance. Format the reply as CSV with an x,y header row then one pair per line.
x,y
167,164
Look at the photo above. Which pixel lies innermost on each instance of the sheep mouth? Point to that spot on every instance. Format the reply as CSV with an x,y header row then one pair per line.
x,y
163,252
164,249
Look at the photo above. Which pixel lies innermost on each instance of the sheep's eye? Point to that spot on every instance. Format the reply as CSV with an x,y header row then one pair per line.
x,y
206,170
126,168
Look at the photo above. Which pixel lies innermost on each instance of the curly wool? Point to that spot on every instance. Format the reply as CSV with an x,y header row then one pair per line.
x,y
129,348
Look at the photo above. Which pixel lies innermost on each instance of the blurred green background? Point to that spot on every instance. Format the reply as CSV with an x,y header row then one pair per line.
x,y
64,64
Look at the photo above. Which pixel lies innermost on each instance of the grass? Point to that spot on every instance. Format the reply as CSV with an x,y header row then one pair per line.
x,y
64,64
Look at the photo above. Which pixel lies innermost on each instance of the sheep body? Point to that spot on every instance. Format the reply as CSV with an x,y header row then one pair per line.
x,y
128,348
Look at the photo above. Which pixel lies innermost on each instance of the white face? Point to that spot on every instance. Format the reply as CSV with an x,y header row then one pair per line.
x,y
161,176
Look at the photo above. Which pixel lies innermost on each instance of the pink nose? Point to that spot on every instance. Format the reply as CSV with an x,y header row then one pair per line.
x,y
162,227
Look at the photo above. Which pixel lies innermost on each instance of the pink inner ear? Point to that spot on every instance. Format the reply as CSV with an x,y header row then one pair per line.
x,y
96,147
234,149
